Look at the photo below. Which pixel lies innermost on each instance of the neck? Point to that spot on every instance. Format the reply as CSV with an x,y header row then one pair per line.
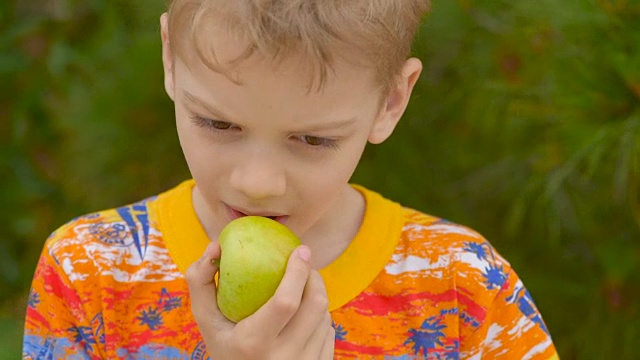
x,y
329,237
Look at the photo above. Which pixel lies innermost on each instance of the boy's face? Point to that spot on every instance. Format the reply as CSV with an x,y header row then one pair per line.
x,y
269,146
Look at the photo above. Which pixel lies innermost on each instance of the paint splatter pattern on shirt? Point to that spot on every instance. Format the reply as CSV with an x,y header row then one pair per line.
x,y
107,287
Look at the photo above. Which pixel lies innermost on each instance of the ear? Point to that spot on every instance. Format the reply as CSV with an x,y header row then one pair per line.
x,y
396,102
167,56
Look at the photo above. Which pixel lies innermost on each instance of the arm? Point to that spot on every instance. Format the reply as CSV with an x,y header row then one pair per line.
x,y
56,325
513,327
293,324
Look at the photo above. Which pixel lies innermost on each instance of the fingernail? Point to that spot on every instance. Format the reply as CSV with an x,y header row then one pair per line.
x,y
209,249
207,253
304,253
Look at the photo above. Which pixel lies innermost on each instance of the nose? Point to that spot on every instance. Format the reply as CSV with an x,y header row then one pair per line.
x,y
259,177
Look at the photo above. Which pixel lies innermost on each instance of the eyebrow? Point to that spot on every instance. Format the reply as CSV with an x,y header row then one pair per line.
x,y
331,125
215,111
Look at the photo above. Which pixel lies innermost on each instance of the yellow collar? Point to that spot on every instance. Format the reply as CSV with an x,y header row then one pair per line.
x,y
344,278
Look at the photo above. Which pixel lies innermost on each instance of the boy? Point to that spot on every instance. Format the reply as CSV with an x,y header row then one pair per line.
x,y
275,102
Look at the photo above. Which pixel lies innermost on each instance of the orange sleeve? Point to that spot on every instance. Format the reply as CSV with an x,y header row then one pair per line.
x,y
513,327
56,326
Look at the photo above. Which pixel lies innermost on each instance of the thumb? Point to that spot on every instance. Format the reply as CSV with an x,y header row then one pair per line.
x,y
202,289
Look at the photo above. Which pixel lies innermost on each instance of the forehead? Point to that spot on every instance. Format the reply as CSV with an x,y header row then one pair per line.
x,y
265,92
229,53
268,84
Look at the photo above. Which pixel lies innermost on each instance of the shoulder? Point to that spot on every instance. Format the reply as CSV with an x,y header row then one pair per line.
x,y
97,241
111,226
432,249
453,251
493,304
444,237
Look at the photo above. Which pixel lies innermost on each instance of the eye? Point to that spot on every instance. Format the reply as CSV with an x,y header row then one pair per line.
x,y
313,140
220,125
316,141
216,125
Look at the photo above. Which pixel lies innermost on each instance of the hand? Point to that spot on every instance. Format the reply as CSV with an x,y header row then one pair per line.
x,y
294,324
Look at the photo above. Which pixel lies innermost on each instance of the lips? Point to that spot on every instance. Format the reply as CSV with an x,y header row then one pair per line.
x,y
238,213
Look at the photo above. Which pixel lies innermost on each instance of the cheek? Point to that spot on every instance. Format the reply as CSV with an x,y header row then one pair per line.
x,y
189,143
183,127
328,179
197,150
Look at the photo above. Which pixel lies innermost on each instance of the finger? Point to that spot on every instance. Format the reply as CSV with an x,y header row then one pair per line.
x,y
281,307
313,310
316,344
328,348
202,289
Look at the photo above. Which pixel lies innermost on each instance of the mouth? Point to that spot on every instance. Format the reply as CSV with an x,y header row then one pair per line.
x,y
237,213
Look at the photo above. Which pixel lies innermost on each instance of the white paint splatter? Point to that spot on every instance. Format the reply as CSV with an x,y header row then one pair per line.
x,y
523,325
537,349
492,342
68,268
472,260
413,263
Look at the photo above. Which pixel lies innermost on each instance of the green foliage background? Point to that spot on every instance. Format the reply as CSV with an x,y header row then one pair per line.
x,y
525,126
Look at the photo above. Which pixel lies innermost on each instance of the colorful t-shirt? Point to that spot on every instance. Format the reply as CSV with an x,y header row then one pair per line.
x,y
410,286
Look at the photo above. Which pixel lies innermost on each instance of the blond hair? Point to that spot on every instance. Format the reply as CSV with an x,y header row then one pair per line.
x,y
372,33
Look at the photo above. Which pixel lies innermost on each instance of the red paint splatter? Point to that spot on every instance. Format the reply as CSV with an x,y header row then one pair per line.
x,y
115,297
136,340
36,319
360,349
54,284
379,305
472,308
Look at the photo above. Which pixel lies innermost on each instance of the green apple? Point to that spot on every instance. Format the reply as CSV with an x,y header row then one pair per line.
x,y
255,251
